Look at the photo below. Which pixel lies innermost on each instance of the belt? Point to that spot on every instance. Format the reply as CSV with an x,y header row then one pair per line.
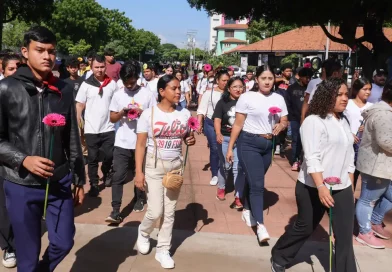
x,y
265,136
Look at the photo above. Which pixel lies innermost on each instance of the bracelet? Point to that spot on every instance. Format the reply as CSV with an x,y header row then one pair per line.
x,y
318,187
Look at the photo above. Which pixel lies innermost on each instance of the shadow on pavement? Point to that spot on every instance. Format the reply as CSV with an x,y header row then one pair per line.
x,y
90,204
107,251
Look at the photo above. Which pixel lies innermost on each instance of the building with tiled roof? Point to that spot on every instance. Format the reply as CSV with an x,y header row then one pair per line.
x,y
305,41
229,37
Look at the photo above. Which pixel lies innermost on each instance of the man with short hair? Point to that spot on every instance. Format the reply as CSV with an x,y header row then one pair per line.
x,y
24,146
152,81
379,80
294,100
131,96
95,95
74,79
112,67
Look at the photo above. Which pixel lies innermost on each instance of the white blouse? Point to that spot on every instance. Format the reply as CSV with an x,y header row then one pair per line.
x,y
208,103
328,147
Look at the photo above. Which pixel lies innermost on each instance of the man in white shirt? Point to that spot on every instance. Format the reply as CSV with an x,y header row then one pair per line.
x,y
330,69
149,80
95,95
379,79
131,97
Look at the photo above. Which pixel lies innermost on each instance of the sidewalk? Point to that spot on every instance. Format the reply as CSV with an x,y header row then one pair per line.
x,y
106,249
208,235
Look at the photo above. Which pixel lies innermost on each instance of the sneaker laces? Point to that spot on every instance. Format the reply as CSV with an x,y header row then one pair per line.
x,y
9,255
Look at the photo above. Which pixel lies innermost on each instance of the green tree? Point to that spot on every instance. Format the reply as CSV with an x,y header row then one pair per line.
x,y
28,11
120,49
79,49
144,41
13,33
224,60
74,20
260,29
371,14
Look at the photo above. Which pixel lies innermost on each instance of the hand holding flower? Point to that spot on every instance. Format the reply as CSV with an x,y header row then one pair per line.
x,y
39,166
189,141
325,197
278,128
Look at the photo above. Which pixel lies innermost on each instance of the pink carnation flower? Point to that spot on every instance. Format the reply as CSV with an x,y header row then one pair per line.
x,y
133,114
207,67
193,123
275,110
54,120
332,181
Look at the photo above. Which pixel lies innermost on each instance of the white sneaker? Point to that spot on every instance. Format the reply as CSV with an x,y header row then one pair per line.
x,y
262,233
165,259
9,259
214,181
248,218
277,150
143,243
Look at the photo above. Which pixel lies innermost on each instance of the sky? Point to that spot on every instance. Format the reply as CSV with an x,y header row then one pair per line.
x,y
170,20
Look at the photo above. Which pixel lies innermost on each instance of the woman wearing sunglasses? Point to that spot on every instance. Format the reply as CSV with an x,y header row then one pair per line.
x,y
224,117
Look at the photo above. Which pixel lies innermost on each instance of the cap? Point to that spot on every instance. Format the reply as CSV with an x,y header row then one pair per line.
x,y
380,72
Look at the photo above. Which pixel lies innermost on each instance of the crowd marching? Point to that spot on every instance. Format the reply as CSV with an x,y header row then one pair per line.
x,y
134,117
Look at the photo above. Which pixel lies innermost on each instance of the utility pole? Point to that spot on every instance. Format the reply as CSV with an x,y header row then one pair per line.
x,y
191,34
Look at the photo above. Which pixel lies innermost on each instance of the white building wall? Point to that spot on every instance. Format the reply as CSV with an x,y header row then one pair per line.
x,y
215,20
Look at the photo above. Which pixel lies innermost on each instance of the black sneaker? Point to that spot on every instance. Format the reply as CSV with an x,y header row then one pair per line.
x,y
94,191
139,205
114,218
276,267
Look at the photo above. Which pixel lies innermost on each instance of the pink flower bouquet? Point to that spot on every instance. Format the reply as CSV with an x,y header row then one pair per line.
x,y
193,125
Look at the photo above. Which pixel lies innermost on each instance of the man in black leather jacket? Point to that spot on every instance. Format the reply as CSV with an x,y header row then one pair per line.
x,y
25,99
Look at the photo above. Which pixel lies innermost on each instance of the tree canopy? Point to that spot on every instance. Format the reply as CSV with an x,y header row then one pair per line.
x,y
260,29
28,11
348,14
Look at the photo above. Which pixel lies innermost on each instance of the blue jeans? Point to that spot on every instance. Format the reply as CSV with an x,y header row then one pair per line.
x,y
255,155
224,168
382,207
296,144
372,190
183,104
209,131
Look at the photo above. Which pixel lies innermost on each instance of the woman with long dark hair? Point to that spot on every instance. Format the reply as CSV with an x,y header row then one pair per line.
x,y
205,111
327,143
224,117
360,92
163,128
254,127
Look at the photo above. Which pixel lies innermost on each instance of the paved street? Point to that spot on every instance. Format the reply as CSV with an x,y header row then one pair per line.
x,y
208,236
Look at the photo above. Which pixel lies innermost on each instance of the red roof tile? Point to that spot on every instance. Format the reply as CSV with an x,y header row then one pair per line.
x,y
305,39
233,40
233,26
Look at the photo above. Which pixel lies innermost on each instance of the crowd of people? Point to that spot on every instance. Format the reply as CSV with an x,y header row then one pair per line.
x,y
130,118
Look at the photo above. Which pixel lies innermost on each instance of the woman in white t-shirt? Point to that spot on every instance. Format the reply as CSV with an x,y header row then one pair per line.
x,y
327,142
205,111
257,127
185,90
164,154
360,92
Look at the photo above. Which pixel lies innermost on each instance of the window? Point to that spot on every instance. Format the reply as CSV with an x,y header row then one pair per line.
x,y
229,21
227,45
229,33
216,20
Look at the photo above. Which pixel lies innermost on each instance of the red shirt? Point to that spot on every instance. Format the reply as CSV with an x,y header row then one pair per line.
x,y
113,70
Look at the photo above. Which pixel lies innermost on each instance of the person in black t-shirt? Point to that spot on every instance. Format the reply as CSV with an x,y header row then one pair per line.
x,y
74,79
294,100
224,116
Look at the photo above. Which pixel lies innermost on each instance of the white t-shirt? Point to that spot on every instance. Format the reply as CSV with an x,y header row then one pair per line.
x,y
256,106
249,85
312,86
151,85
201,85
375,95
354,115
184,89
1,76
169,130
208,105
126,133
88,74
97,114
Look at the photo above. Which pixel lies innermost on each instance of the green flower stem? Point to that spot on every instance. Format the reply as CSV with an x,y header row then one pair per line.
x,y
330,234
48,179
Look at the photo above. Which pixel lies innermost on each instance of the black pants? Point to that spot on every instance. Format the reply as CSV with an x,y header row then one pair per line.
x,y
124,160
310,213
95,142
6,233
